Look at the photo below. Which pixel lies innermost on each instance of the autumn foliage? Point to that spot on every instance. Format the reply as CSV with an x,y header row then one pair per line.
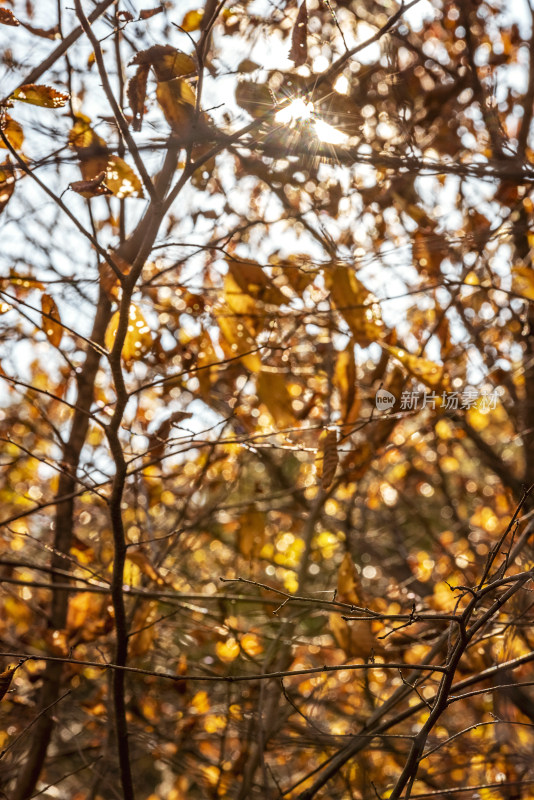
x,y
266,400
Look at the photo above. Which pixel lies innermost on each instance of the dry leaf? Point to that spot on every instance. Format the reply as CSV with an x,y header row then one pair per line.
x,y
150,12
92,188
7,17
37,95
299,38
137,93
327,457
13,133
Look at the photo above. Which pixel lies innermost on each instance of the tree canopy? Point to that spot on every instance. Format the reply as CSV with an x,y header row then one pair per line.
x,y
266,399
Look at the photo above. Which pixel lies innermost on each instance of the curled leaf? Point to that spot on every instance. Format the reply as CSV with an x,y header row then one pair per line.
x,y
92,188
40,95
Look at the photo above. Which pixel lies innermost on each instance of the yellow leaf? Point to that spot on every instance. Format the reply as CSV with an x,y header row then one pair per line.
x,y
273,392
192,20
355,303
251,644
167,61
348,582
5,680
13,133
52,327
138,338
345,380
251,532
252,280
428,372
177,99
523,281
200,702
39,95
239,339
121,179
227,651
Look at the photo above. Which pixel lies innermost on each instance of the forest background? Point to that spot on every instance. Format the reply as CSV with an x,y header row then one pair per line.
x,y
267,399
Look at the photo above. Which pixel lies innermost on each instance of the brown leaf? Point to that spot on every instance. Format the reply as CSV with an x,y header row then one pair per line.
x,y
7,17
44,33
327,457
137,93
92,188
167,61
40,95
150,12
299,38
51,321
125,16
13,132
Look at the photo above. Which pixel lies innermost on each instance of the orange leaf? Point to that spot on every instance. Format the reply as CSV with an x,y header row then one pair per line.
x,y
51,322
192,20
13,133
7,17
38,95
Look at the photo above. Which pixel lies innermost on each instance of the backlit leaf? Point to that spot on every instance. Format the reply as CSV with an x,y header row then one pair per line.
x,y
273,392
13,133
523,281
192,20
138,337
51,322
428,372
355,303
255,98
40,95
121,179
167,61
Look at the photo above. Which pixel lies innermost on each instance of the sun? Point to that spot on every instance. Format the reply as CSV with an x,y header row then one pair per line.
x,y
300,110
